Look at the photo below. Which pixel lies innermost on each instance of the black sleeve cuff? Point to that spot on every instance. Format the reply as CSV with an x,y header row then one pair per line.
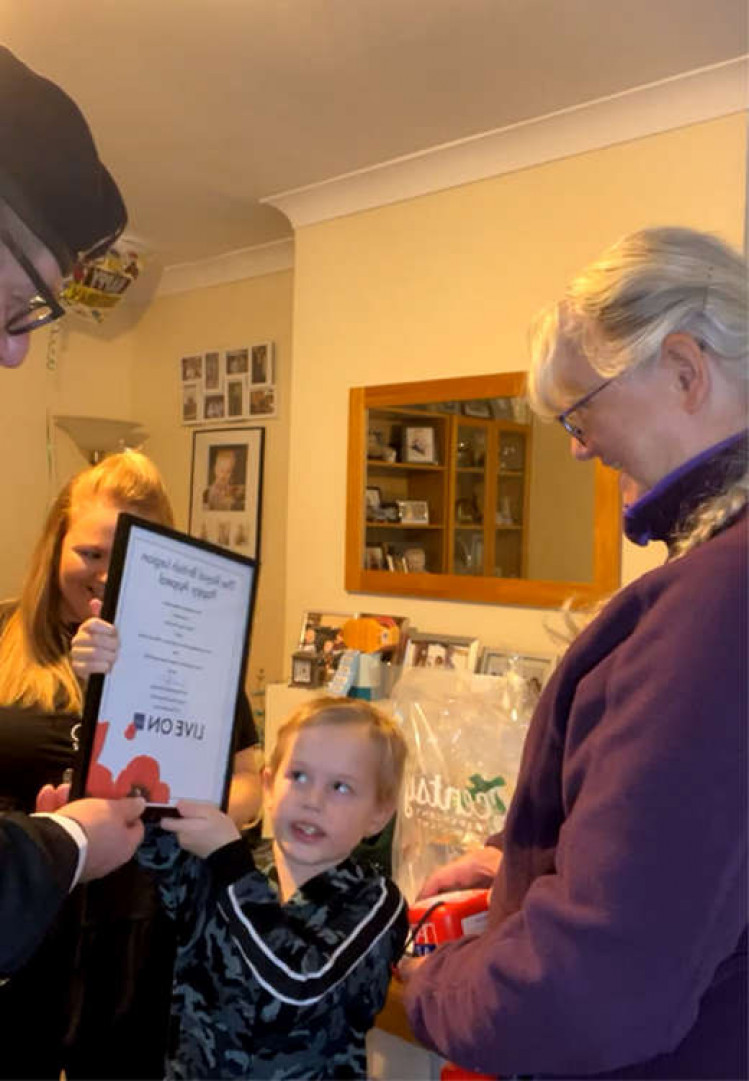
x,y
231,862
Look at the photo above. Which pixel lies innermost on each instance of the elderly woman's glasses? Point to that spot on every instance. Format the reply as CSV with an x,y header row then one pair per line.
x,y
564,418
41,309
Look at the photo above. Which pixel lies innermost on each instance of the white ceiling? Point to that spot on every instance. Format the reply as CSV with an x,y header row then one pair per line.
x,y
203,107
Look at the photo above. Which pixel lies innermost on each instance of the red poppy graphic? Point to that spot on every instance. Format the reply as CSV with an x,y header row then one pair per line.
x,y
99,777
141,778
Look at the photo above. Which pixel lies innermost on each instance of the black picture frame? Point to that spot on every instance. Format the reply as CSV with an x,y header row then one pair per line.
x,y
183,546
227,509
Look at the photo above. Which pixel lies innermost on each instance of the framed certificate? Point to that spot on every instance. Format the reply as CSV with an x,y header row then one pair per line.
x,y
160,723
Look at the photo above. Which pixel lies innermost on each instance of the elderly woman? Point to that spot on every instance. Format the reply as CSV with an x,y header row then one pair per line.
x,y
617,937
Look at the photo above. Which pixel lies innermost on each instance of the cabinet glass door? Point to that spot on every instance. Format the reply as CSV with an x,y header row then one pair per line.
x,y
510,513
470,457
405,492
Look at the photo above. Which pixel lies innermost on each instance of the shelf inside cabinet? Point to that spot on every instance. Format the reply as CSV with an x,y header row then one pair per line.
x,y
404,525
401,467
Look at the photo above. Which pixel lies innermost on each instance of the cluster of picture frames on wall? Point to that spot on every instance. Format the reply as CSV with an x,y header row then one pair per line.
x,y
229,384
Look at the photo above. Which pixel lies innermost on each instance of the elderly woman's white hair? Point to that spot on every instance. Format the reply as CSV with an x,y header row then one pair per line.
x,y
617,311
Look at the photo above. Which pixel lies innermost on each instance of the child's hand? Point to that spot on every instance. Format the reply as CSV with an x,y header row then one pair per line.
x,y
51,798
202,829
95,646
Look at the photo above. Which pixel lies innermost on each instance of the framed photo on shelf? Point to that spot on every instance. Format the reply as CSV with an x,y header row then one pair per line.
x,y
498,662
321,627
374,557
226,487
419,446
416,560
441,651
413,511
307,669
477,407
373,498
501,408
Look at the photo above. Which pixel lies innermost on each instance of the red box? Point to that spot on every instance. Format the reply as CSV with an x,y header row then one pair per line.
x,y
447,916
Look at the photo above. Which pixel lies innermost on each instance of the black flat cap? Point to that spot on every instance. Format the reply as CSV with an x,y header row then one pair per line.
x,y
50,172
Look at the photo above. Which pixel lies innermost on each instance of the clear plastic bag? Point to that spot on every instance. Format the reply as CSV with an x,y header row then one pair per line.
x,y
465,734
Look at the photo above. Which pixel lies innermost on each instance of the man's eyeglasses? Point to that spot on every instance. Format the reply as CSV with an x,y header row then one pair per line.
x,y
41,309
564,418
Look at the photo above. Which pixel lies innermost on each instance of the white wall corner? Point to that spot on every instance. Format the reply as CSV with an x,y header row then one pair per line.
x,y
230,267
689,98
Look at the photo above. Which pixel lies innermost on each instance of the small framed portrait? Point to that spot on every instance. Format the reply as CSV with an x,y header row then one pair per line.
x,y
413,511
237,361
307,670
477,407
501,408
372,499
377,440
214,407
236,394
191,368
448,651
374,557
534,669
415,560
419,446
263,401
498,662
261,364
390,512
213,377
320,627
226,487
192,403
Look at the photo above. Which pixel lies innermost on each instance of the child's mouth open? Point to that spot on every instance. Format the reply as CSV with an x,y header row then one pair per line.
x,y
306,832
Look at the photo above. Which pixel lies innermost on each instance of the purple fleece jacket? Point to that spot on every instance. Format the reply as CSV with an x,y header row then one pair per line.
x,y
617,937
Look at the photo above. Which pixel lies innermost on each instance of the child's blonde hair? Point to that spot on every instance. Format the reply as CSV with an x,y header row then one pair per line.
x,y
383,731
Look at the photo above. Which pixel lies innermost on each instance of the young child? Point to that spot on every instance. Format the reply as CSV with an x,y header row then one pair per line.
x,y
280,971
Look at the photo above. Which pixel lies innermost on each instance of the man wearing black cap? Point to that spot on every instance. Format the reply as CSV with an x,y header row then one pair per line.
x,y
58,204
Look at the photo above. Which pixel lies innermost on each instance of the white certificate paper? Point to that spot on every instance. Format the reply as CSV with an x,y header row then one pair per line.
x,y
160,723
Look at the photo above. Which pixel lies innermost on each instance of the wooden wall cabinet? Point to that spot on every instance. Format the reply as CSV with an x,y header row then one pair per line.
x,y
445,448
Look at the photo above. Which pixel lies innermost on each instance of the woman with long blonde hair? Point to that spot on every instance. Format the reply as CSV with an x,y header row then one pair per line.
x,y
112,948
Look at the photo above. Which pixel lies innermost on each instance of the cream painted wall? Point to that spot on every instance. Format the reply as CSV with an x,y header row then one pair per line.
x,y
445,285
222,317
134,375
73,371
